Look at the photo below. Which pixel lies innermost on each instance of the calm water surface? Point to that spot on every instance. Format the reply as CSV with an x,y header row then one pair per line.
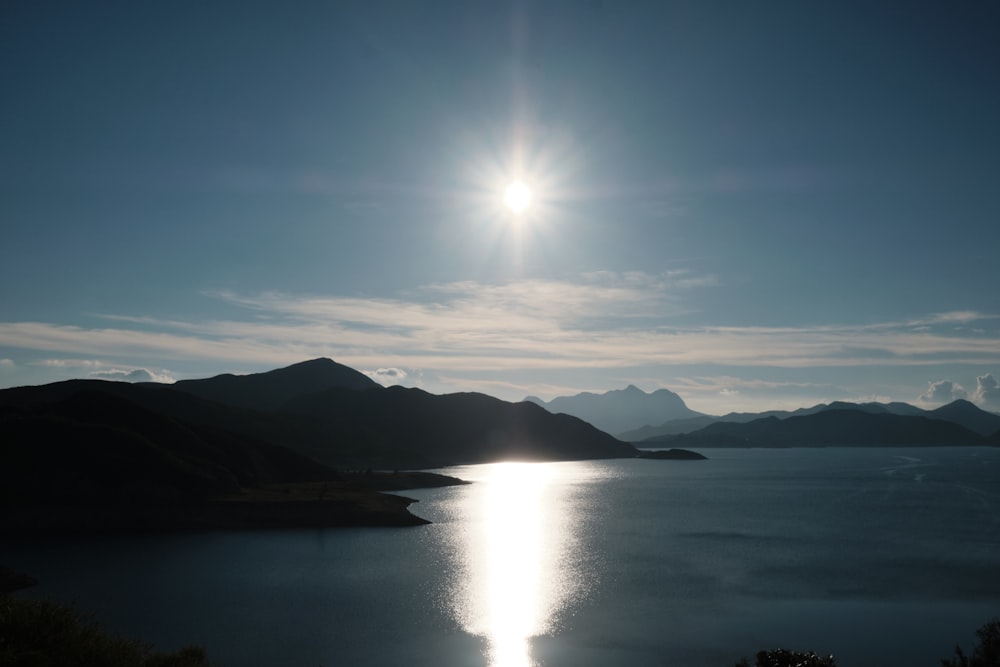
x,y
880,556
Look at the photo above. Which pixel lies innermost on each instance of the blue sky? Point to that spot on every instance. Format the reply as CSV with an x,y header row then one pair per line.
x,y
756,205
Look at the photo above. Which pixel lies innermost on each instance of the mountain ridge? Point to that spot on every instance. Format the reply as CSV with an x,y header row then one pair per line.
x,y
830,428
271,389
619,410
97,455
328,425
960,412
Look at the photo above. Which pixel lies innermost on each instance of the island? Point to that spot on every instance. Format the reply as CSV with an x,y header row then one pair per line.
x,y
671,455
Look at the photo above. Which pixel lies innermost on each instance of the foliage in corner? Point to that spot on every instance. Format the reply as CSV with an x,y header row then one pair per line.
x,y
782,658
40,633
985,654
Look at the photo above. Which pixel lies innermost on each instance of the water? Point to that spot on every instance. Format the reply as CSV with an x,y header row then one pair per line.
x,y
880,556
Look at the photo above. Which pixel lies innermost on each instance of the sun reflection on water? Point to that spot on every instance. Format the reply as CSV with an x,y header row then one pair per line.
x,y
516,554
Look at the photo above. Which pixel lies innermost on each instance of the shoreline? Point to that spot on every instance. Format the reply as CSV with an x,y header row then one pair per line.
x,y
349,500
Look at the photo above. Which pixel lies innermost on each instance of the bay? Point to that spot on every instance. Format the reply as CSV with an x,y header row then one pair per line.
x,y
879,556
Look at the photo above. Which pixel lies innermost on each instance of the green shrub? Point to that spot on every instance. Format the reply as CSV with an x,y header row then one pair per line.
x,y
40,633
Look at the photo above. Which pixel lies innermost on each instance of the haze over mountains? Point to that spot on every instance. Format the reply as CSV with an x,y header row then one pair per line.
x,y
629,413
621,410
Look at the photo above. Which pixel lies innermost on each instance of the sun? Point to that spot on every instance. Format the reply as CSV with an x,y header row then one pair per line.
x,y
517,196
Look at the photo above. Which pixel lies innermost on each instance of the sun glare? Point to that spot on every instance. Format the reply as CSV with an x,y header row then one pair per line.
x,y
517,196
517,582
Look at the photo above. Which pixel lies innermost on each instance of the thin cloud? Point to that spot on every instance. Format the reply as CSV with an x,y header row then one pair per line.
x,y
104,370
940,392
388,377
723,383
133,375
69,363
987,393
606,320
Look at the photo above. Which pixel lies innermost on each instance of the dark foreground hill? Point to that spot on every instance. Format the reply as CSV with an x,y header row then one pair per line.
x,y
95,462
254,450
352,421
417,429
829,428
272,389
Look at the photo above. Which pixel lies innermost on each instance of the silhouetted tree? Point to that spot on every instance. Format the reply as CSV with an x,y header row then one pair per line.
x,y
985,654
782,658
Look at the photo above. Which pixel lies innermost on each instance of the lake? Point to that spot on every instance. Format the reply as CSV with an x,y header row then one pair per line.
x,y
879,556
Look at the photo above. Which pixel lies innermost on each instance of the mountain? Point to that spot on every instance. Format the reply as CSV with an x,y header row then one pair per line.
x,y
348,422
271,390
96,446
968,415
253,451
828,428
416,429
95,462
959,412
620,410
671,427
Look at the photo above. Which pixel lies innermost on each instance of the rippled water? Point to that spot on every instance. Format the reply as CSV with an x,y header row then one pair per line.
x,y
880,556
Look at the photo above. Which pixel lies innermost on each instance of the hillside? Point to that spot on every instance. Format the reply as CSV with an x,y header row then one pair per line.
x,y
272,389
257,450
413,428
96,462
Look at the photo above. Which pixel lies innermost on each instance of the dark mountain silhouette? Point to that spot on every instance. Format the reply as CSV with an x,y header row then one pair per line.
x,y
959,412
968,415
672,427
188,408
252,451
97,447
828,428
418,429
620,410
271,390
352,423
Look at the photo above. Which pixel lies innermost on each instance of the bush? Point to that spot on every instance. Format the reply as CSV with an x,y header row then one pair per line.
x,y
782,658
40,633
985,654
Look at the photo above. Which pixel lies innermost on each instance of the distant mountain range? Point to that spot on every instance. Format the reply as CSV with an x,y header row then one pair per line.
x,y
624,412
960,412
845,425
621,410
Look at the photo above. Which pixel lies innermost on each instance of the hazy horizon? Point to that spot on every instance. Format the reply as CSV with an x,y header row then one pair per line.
x,y
756,208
